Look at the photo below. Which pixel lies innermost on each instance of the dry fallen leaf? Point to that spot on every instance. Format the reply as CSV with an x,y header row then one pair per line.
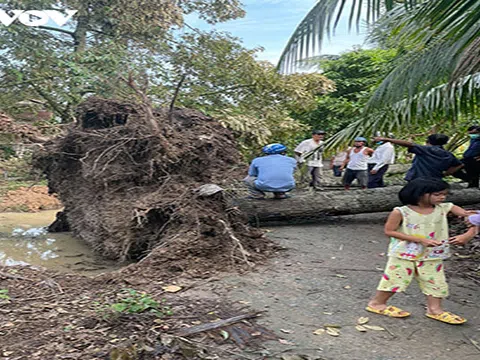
x,y
294,357
362,320
148,348
333,332
374,327
361,328
285,342
319,331
172,288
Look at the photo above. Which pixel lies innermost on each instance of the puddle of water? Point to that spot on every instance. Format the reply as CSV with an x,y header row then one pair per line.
x,y
24,241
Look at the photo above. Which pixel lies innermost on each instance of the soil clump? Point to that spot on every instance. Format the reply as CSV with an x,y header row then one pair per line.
x,y
29,199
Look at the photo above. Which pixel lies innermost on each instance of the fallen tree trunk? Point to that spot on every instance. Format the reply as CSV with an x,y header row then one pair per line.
x,y
318,206
398,169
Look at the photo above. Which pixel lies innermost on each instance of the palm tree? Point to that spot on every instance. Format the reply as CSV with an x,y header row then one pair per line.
x,y
436,72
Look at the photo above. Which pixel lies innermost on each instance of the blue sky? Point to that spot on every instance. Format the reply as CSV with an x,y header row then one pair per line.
x,y
270,23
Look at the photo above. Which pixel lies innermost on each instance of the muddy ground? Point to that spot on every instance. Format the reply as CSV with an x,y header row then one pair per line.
x,y
326,277
29,198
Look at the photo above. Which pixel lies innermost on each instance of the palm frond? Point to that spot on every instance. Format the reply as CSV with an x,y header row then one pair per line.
x,y
442,103
469,61
415,71
449,100
308,37
432,54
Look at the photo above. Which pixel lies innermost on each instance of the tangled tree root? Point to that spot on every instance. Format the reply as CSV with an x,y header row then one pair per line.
x,y
129,190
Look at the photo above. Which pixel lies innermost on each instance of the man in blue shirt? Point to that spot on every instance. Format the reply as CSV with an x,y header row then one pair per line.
x,y
431,160
271,173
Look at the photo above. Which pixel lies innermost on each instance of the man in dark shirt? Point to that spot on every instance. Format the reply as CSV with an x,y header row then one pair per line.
x,y
470,162
431,160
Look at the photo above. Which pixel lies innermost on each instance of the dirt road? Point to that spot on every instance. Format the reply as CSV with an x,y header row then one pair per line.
x,y
326,276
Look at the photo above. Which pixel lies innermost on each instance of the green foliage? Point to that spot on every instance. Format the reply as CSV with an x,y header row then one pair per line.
x,y
131,301
85,57
436,72
17,167
212,72
6,152
356,74
223,79
4,297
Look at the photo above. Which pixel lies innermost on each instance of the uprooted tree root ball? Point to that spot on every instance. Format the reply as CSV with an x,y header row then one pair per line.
x,y
128,177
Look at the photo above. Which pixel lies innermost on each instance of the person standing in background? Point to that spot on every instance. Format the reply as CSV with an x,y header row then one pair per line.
x,y
337,162
311,151
471,161
383,156
357,164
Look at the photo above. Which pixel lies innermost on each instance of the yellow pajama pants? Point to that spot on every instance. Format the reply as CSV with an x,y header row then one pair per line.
x,y
429,274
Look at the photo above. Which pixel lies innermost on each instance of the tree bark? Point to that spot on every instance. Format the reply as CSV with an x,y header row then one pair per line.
x,y
80,33
398,169
308,208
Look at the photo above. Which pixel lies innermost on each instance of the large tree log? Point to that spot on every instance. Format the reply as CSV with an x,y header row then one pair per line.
x,y
308,208
398,169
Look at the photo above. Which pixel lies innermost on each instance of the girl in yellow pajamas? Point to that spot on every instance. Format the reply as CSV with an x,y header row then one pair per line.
x,y
419,242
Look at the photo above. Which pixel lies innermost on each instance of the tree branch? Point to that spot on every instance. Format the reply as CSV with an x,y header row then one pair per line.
x,y
147,105
51,28
227,89
64,114
175,95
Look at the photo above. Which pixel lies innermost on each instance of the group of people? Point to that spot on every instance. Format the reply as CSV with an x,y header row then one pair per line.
x,y
418,230
275,172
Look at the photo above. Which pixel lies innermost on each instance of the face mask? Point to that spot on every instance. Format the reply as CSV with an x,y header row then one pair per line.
x,y
379,142
474,136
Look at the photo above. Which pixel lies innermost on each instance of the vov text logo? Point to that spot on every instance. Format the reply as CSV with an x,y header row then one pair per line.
x,y
36,17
